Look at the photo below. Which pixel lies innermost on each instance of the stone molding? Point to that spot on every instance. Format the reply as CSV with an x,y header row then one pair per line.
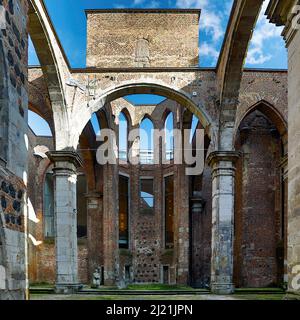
x,y
226,156
280,13
65,156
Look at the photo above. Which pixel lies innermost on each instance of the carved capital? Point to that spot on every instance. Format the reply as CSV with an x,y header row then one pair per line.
x,y
65,156
218,156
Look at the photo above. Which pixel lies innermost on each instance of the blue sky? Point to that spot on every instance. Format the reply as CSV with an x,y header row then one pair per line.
x,y
266,49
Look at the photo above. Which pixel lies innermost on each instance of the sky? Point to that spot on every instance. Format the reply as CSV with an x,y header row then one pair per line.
x,y
266,49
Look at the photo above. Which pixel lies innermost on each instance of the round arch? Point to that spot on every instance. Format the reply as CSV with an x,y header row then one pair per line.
x,y
130,88
156,89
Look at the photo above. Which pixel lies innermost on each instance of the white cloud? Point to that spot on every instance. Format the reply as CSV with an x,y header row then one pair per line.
x,y
209,51
137,2
192,3
153,4
211,21
264,31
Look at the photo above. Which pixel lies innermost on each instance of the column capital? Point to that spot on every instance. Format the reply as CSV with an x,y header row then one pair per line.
x,y
217,156
67,156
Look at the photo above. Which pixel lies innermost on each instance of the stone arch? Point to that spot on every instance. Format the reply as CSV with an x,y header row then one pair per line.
x,y
127,116
53,61
35,109
113,93
165,115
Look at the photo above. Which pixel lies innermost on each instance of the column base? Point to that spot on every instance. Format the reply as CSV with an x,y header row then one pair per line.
x,y
292,295
222,288
67,288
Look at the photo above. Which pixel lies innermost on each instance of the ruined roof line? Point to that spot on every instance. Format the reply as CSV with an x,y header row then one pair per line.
x,y
150,10
159,69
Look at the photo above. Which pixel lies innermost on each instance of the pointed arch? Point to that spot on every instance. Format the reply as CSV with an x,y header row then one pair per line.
x,y
123,134
271,113
146,140
169,135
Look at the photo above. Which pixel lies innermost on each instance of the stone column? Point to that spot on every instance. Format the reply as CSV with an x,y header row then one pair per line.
x,y
94,230
65,178
181,225
223,174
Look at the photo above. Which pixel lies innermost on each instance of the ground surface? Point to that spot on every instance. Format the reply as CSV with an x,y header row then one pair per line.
x,y
156,297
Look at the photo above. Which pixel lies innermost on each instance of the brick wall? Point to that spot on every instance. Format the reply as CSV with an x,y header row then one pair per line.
x,y
258,205
162,39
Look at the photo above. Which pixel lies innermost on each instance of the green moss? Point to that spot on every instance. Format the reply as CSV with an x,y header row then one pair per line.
x,y
157,286
41,284
269,297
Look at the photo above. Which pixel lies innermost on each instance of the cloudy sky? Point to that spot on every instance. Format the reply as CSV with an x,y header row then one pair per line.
x,y
266,49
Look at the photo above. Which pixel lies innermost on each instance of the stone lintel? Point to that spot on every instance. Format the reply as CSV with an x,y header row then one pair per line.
x,y
218,156
65,156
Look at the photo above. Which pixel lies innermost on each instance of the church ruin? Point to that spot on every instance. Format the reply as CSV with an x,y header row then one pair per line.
x,y
63,215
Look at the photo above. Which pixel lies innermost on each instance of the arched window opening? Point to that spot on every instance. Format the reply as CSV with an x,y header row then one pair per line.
x,y
123,212
194,125
95,124
169,211
146,142
33,59
38,125
146,196
123,137
169,137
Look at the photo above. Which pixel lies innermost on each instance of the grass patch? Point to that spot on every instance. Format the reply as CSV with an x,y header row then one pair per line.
x,y
41,285
157,287
269,297
262,290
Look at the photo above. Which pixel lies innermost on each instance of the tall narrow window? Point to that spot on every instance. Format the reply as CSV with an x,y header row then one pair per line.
x,y
123,211
146,141
169,211
49,206
146,196
123,137
169,137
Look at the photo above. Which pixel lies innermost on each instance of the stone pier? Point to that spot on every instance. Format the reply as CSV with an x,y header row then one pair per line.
x,y
223,174
65,177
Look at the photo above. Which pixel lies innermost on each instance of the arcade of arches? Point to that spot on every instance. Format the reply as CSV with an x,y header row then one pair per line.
x,y
234,225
